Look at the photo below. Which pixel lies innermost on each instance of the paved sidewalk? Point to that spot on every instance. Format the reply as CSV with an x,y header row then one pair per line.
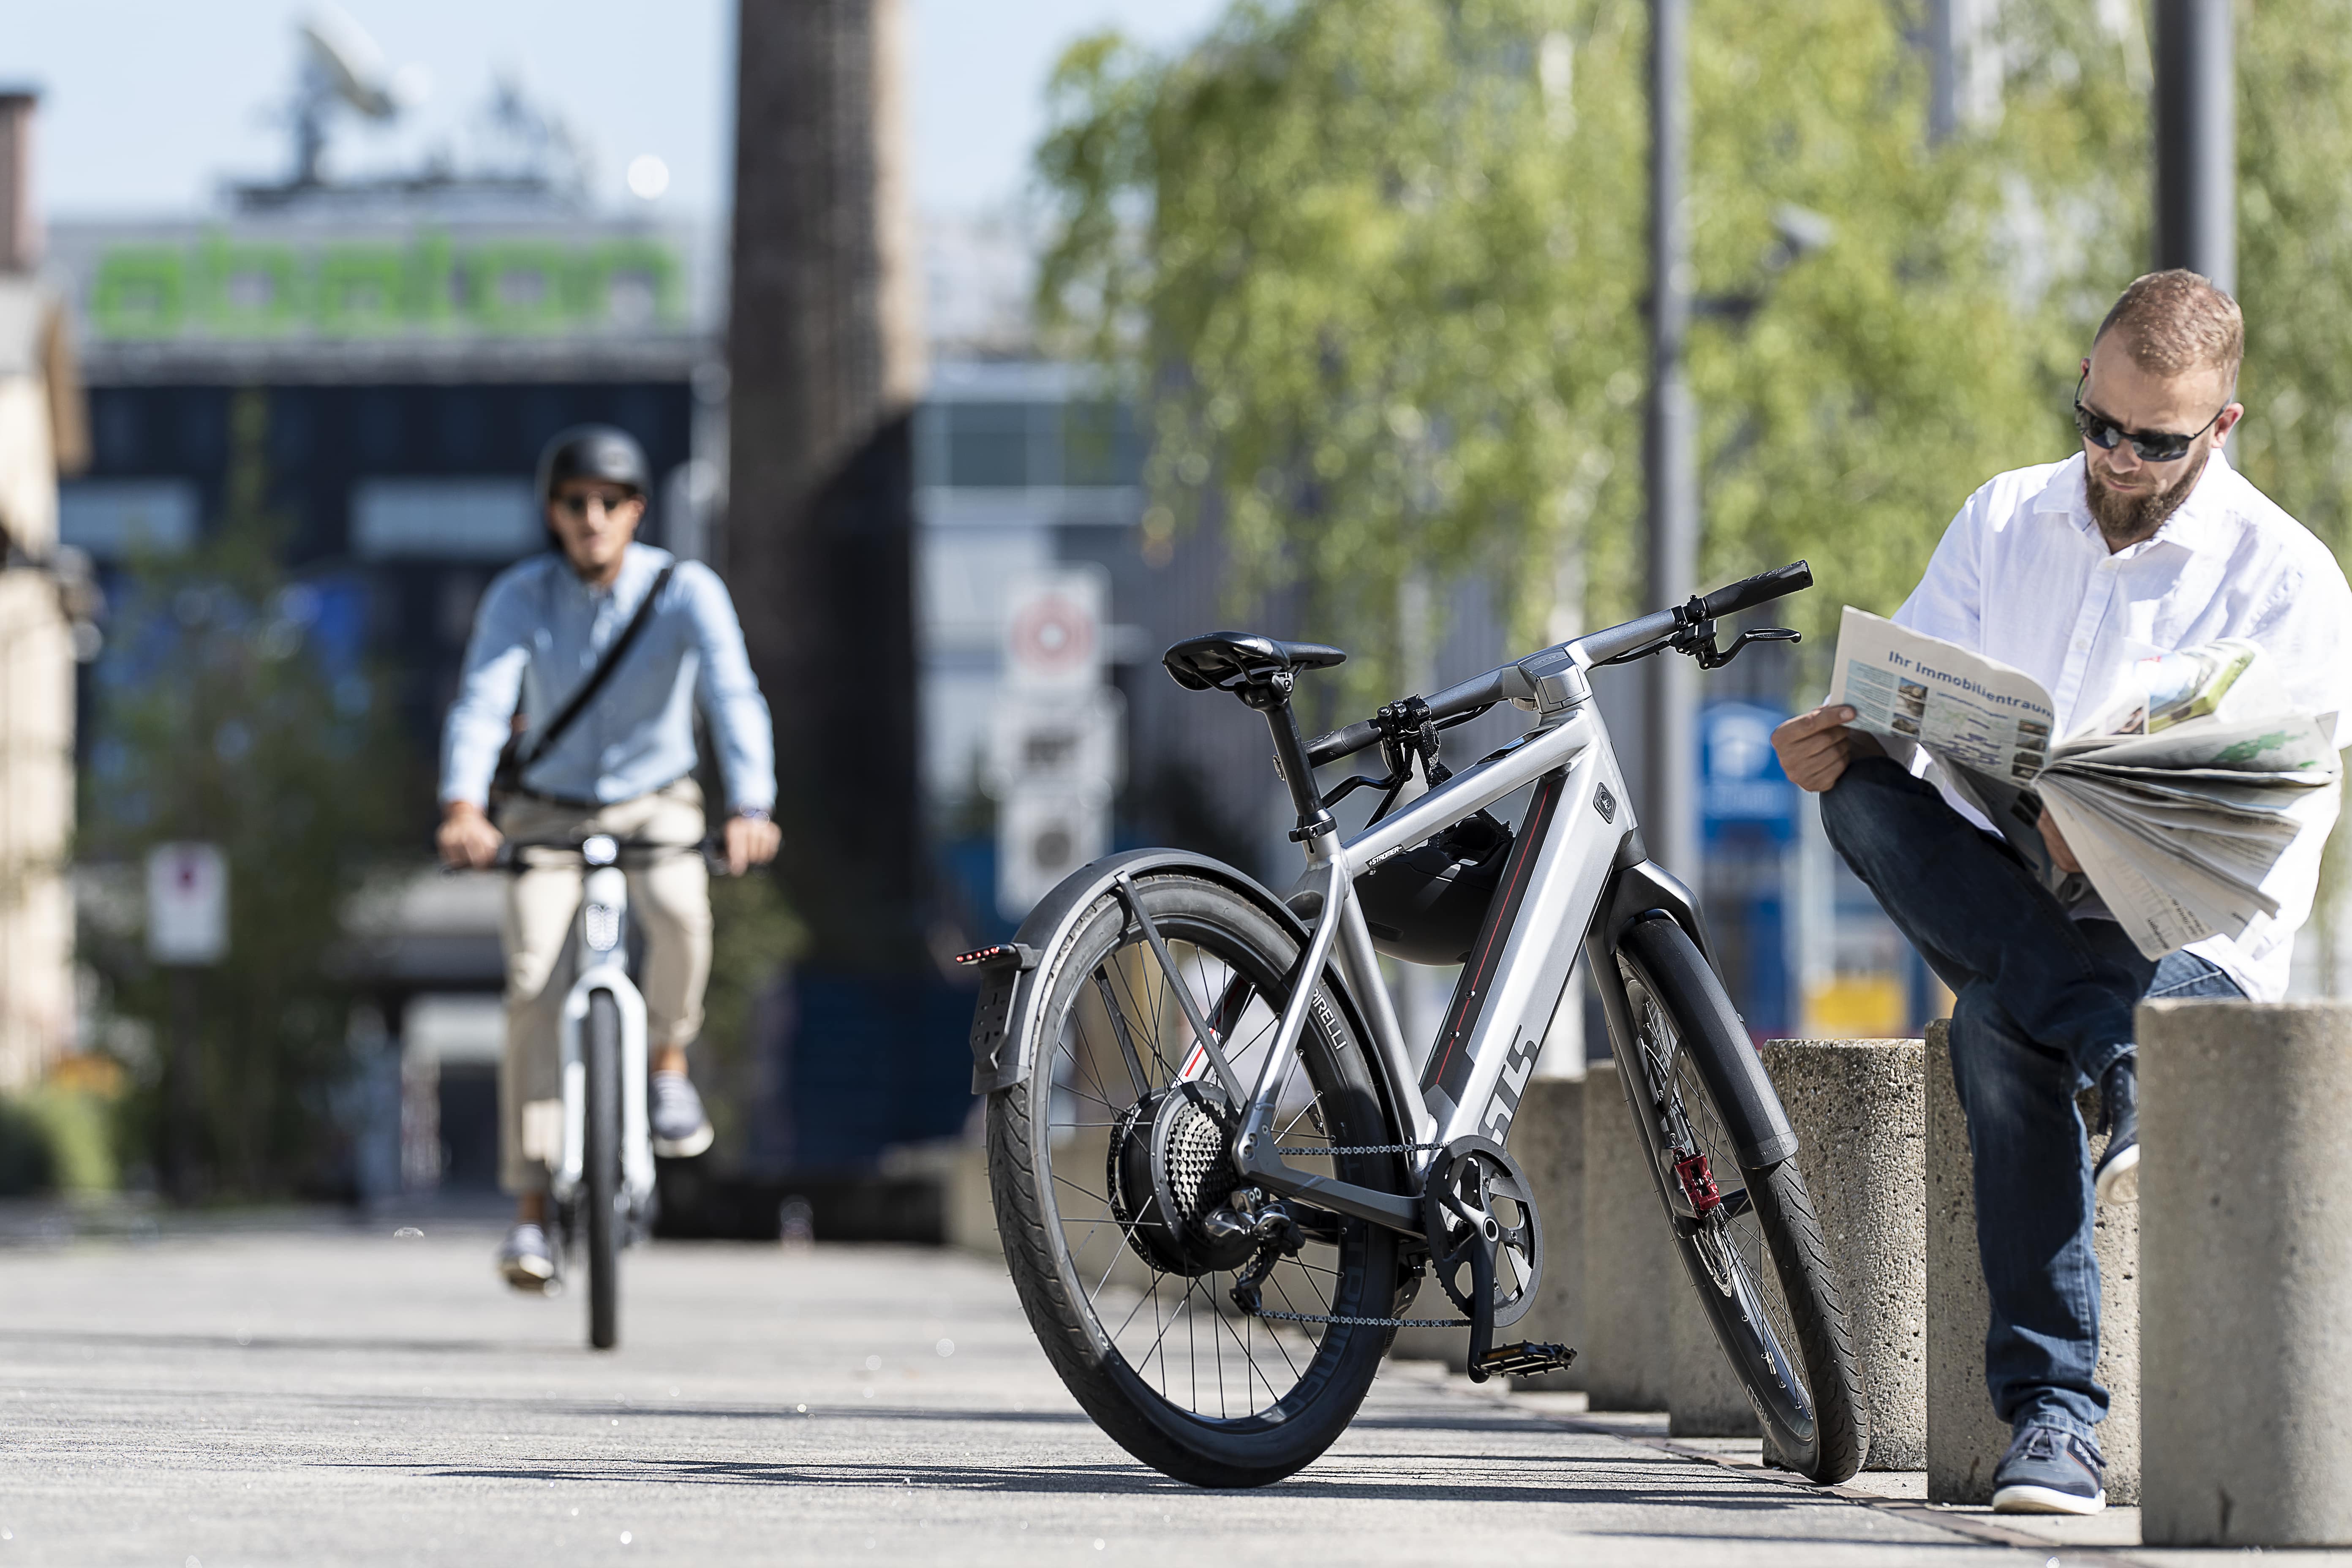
x,y
336,1395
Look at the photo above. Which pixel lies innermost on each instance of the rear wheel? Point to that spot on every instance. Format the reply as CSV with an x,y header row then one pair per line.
x,y
601,1186
1112,1172
1748,1238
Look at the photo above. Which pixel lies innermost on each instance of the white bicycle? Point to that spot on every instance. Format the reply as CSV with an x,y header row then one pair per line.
x,y
595,1138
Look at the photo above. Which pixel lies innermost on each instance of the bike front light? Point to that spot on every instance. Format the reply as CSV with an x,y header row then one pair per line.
x,y
602,927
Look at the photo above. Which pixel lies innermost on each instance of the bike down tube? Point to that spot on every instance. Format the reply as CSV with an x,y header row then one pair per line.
x,y
1461,796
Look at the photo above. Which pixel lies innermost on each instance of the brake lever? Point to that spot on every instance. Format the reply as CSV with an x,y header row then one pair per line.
x,y
1701,647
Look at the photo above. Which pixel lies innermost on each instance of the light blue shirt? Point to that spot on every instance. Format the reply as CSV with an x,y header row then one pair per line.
x,y
538,634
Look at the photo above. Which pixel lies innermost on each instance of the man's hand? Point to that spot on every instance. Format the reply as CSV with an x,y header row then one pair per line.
x,y
1814,748
750,841
466,837
2062,855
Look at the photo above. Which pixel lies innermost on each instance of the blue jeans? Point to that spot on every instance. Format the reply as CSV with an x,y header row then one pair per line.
x,y
2043,1007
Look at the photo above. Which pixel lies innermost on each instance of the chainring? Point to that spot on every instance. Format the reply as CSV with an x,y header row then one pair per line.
x,y
1476,1200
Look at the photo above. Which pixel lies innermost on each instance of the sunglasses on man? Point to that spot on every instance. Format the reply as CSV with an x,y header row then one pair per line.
x,y
577,505
2153,445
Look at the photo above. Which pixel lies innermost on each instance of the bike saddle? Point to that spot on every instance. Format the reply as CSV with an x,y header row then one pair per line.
x,y
1222,660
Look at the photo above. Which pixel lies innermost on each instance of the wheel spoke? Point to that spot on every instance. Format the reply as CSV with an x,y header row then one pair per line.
x,y
1125,1036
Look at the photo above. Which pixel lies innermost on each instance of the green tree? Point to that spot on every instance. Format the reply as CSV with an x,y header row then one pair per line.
x,y
224,718
1376,270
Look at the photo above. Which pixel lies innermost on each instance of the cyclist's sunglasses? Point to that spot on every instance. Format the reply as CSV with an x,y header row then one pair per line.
x,y
577,504
2153,445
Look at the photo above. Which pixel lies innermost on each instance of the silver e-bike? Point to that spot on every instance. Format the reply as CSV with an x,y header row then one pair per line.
x,y
1220,1175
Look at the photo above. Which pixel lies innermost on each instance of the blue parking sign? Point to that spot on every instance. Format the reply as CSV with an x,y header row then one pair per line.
x,y
1740,778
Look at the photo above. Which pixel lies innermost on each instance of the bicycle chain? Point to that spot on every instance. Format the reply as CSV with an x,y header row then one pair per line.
x,y
1358,1149
1364,1322
1350,1323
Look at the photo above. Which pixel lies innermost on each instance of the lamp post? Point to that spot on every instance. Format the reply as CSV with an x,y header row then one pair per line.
x,y
2197,140
1667,808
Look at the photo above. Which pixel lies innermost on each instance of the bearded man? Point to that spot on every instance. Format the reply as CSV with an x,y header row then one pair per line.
x,y
2144,541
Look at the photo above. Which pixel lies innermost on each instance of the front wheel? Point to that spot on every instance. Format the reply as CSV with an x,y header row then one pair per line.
x,y
1112,1171
601,1185
1750,1238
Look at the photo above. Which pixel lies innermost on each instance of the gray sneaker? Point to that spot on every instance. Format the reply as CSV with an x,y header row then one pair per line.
x,y
2050,1470
681,1129
526,1259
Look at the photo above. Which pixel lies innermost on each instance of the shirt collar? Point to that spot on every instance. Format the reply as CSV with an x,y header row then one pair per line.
x,y
637,569
2197,525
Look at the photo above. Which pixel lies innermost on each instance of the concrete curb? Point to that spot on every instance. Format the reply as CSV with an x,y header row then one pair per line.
x,y
1629,1262
1965,1439
2246,1114
1859,1108
1548,1140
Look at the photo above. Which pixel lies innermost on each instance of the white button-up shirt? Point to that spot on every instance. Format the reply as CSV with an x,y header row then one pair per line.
x,y
2023,576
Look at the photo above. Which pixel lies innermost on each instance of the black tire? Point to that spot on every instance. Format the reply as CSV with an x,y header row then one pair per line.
x,y
1791,1347
601,1186
1242,1401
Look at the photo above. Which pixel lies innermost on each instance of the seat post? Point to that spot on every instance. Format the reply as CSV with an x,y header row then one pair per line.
x,y
1271,697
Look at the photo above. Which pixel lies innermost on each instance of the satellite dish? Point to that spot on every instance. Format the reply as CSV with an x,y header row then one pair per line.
x,y
350,63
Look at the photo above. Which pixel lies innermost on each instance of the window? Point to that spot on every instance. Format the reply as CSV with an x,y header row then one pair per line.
x,y
989,445
112,519
444,520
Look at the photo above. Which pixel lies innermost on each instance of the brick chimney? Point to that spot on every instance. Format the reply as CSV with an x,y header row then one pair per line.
x,y
20,225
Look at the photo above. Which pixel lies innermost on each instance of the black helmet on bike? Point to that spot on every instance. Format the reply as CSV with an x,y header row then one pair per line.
x,y
1428,904
597,452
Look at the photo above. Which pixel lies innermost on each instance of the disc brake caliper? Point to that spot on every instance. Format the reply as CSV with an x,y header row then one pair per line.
x,y
1698,1183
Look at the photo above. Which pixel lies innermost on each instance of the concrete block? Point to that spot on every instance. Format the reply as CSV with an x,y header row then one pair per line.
x,y
1703,1396
1548,1140
1630,1265
2246,1116
1965,1439
1859,1108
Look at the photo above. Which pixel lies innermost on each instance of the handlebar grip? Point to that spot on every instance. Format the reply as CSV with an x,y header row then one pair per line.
x,y
1340,744
1761,589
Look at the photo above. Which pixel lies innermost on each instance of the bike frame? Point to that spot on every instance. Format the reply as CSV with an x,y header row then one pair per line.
x,y
1576,871
600,937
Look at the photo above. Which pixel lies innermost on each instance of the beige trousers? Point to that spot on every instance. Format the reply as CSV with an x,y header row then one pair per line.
x,y
669,903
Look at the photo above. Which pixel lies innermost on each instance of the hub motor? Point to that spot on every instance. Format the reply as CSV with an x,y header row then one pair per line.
x,y
1172,1178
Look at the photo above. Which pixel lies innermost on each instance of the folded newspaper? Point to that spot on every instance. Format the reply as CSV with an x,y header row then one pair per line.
x,y
2178,799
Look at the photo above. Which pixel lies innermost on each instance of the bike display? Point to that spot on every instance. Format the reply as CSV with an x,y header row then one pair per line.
x,y
1223,1176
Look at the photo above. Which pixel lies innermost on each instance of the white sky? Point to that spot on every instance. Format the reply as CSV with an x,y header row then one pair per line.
x,y
147,104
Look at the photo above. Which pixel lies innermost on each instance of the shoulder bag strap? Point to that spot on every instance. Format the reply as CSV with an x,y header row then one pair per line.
x,y
579,700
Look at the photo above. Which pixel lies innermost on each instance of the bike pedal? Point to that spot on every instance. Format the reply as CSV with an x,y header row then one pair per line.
x,y
1526,1359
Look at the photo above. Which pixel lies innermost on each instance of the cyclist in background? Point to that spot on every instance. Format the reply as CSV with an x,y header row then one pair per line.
x,y
622,765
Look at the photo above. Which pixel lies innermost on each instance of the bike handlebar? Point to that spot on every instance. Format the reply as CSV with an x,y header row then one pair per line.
x,y
1512,681
1760,589
1344,742
508,859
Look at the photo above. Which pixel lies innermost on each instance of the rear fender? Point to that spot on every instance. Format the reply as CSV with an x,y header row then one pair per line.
x,y
1002,1037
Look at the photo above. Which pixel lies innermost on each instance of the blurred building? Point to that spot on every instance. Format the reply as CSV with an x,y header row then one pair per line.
x,y
417,340
41,436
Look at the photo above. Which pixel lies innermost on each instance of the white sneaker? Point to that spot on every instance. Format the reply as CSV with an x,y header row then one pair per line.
x,y
681,1128
526,1259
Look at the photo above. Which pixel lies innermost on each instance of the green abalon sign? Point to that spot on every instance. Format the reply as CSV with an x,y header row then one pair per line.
x,y
223,285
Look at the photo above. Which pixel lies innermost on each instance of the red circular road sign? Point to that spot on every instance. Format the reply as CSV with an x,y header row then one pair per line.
x,y
1052,636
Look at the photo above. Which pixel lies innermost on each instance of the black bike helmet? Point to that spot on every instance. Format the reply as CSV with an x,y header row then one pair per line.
x,y
1428,904
596,452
